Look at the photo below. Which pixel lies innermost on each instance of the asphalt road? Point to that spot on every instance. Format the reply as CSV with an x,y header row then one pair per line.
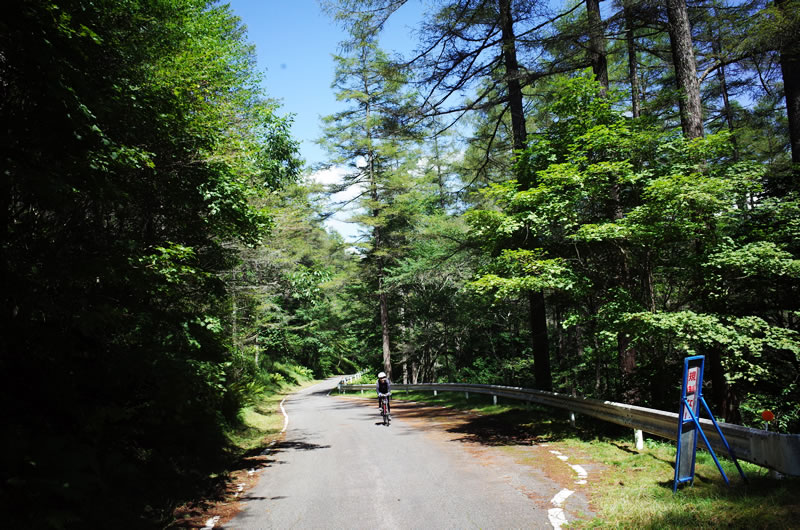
x,y
340,468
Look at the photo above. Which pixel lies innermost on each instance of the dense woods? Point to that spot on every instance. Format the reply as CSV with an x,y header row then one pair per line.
x,y
570,197
619,194
138,156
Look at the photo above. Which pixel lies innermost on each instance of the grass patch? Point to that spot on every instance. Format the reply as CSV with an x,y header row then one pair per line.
x,y
262,420
367,378
629,488
261,423
634,490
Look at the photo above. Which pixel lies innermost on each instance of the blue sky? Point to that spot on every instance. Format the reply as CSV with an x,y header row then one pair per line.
x,y
294,43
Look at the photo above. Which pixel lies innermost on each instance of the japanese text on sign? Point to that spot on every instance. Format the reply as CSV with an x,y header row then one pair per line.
x,y
690,400
691,380
691,392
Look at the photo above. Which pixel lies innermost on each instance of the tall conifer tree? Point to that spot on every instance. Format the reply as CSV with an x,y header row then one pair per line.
x,y
369,138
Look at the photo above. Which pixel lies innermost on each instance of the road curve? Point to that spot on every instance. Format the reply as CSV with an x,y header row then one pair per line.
x,y
338,467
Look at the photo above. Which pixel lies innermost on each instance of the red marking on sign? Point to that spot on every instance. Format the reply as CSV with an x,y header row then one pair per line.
x,y
686,415
691,380
767,415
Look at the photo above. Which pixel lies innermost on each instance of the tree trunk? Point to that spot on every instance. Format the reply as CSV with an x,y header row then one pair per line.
x,y
378,245
439,174
234,331
727,109
680,37
716,47
518,128
790,68
597,44
633,72
382,299
627,366
626,353
598,368
724,399
538,316
543,378
387,358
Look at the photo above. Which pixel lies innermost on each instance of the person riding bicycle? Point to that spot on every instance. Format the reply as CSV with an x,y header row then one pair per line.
x,y
384,389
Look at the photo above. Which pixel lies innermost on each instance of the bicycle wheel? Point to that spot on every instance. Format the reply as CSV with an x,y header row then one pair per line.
x,y
385,413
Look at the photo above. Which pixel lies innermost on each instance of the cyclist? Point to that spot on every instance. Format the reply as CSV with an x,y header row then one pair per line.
x,y
384,389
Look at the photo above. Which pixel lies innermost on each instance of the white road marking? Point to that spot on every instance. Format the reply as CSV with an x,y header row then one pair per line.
x,y
561,496
556,515
211,523
285,417
582,474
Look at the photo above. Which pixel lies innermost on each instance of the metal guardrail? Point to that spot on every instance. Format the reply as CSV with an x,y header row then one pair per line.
x,y
346,380
780,452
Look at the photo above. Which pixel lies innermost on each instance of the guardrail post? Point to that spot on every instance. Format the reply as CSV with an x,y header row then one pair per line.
x,y
494,399
466,395
780,452
435,393
639,437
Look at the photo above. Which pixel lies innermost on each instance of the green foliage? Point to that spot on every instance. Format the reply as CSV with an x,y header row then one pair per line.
x,y
742,341
137,143
646,242
610,216
156,280
290,300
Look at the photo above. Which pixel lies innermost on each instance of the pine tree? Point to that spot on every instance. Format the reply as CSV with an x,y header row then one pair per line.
x,y
680,37
370,138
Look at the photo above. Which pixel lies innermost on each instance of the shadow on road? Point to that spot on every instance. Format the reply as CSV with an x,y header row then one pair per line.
x,y
501,429
298,445
247,497
323,392
341,406
529,427
523,426
423,411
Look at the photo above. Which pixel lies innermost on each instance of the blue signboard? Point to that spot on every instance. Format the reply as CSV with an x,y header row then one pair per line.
x,y
689,424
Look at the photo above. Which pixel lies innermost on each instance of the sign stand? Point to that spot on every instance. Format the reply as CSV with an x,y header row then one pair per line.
x,y
689,425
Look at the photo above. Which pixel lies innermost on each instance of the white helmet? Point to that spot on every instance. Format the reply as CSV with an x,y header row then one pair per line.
x,y
381,375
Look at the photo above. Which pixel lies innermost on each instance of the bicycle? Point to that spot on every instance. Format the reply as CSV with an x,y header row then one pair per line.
x,y
384,403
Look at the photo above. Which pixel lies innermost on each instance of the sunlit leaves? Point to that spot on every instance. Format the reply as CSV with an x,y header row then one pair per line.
x,y
743,341
519,271
648,242
173,263
761,258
